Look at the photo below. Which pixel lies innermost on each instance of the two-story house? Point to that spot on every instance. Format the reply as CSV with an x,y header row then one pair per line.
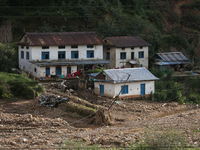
x,y
59,53
126,52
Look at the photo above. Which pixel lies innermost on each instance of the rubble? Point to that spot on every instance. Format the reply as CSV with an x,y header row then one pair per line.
x,y
52,101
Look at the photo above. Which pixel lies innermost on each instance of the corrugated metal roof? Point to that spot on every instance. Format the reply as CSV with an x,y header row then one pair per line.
x,y
173,58
126,41
62,38
70,62
136,74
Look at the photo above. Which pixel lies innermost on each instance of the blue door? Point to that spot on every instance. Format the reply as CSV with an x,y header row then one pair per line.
x,y
58,70
142,89
102,90
47,72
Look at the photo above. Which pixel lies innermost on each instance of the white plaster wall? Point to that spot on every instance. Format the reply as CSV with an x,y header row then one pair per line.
x,y
23,62
37,73
53,52
112,59
111,90
143,61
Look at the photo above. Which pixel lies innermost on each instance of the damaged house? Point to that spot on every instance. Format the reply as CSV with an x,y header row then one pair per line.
x,y
126,52
59,53
136,82
167,60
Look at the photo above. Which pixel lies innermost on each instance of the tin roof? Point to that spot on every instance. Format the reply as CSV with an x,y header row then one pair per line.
x,y
173,58
62,38
136,74
70,62
126,41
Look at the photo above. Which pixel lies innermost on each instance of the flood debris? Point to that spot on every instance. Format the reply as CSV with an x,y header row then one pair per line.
x,y
51,100
102,117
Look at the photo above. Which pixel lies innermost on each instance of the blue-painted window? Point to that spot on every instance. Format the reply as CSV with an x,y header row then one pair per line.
x,y
27,55
108,55
132,55
74,54
123,55
61,54
90,54
141,54
45,55
22,54
125,89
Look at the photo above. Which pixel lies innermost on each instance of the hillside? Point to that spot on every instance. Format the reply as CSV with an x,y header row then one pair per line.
x,y
168,25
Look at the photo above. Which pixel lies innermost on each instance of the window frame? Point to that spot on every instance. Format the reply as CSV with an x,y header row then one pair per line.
x,y
47,54
61,47
75,53
141,54
45,47
108,56
132,55
22,54
90,46
123,55
27,55
74,46
125,89
61,53
90,53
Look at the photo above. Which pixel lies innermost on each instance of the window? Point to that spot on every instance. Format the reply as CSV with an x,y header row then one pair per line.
x,y
74,46
132,56
27,47
27,55
90,54
90,46
45,55
61,54
61,47
141,54
22,47
141,47
123,48
35,69
108,48
22,54
125,89
74,54
132,47
123,55
108,55
45,47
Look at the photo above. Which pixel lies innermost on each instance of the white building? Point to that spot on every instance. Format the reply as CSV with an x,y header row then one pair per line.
x,y
59,53
126,52
110,82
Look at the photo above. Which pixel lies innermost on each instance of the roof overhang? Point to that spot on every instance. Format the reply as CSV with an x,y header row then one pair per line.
x,y
70,62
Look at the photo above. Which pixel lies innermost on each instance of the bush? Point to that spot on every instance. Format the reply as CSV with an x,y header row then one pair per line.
x,y
194,99
160,96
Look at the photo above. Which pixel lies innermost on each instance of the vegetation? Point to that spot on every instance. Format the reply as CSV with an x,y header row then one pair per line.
x,y
168,89
18,86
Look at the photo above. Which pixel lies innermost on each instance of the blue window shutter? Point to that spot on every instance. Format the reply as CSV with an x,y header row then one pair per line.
x,y
125,89
72,55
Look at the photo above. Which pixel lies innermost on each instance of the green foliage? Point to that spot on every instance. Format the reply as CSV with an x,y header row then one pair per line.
x,y
19,86
8,57
160,96
155,138
97,70
193,99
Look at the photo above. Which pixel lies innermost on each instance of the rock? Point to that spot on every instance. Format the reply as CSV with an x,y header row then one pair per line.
x,y
24,140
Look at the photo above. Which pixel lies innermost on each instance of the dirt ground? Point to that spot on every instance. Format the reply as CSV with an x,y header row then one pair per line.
x,y
27,124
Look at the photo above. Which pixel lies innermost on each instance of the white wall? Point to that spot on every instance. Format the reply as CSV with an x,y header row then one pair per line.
x,y
111,89
53,52
23,62
143,61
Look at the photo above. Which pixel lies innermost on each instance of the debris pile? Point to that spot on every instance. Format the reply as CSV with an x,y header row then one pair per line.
x,y
52,101
30,120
